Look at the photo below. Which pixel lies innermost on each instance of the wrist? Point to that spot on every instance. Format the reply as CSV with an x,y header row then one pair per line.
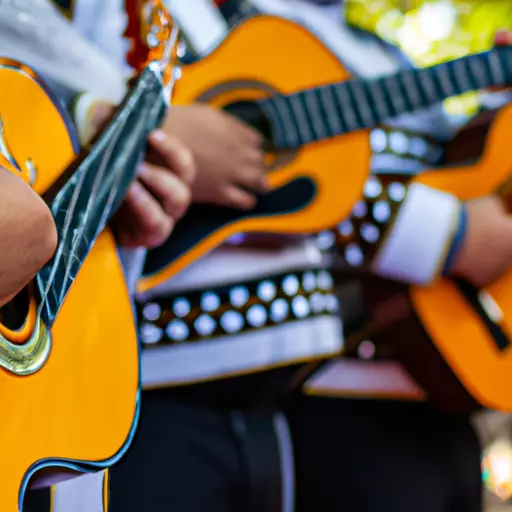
x,y
457,241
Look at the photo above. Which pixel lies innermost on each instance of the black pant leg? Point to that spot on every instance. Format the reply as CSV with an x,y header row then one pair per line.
x,y
37,501
183,459
465,461
377,456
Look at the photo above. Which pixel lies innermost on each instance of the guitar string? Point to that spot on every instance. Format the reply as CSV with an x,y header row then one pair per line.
x,y
78,236
495,72
93,197
67,222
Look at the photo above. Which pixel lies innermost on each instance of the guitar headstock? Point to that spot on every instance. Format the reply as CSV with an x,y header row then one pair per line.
x,y
153,36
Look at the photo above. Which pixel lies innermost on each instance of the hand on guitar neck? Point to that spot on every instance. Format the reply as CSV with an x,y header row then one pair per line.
x,y
161,193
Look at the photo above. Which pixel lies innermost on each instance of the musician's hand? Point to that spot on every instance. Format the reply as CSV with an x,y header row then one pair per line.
x,y
158,197
228,155
161,193
487,249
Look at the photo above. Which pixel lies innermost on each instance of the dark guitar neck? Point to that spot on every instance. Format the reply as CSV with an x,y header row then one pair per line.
x,y
327,111
95,186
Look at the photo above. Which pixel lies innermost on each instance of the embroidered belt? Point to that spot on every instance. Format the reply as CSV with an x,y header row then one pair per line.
x,y
200,315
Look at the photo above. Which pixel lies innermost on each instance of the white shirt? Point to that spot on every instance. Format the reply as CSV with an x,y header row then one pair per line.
x,y
35,32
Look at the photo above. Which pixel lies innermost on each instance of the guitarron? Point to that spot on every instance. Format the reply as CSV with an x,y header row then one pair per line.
x,y
69,362
280,78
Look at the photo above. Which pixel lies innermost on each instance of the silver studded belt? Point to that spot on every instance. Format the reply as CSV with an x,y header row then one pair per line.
x,y
204,314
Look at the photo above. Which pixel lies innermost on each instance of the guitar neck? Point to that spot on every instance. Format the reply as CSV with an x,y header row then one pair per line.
x,y
97,186
329,110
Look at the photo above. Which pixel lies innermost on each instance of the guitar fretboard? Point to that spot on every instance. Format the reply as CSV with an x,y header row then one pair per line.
x,y
327,111
97,186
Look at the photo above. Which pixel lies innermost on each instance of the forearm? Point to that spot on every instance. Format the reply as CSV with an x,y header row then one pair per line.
x,y
27,234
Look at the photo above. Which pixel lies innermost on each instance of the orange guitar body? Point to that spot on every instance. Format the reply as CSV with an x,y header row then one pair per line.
x,y
262,56
456,329
77,412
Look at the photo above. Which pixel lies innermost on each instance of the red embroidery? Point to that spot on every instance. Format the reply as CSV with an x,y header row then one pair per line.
x,y
137,54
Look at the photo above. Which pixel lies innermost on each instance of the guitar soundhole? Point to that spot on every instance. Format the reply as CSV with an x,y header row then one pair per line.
x,y
15,312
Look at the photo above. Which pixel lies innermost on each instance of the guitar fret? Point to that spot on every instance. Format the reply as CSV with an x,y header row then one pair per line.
x,y
477,70
347,110
302,119
379,99
444,79
316,114
364,108
506,56
395,94
331,108
285,132
461,75
269,109
496,68
411,88
291,134
427,84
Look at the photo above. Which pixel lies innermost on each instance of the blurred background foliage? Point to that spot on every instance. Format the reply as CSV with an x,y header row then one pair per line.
x,y
433,31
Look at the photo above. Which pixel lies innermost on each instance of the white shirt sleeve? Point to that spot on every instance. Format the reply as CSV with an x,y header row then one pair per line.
x,y
36,33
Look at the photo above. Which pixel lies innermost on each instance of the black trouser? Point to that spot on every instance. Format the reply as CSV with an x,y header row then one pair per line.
x,y
209,447
380,456
37,501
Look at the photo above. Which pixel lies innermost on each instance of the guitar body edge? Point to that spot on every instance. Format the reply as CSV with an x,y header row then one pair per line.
x,y
263,55
79,410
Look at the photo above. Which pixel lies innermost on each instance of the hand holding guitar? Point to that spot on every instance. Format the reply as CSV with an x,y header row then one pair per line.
x,y
228,154
161,193
158,197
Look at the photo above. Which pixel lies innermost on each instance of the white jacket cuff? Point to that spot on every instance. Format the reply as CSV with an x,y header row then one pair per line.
x,y
419,240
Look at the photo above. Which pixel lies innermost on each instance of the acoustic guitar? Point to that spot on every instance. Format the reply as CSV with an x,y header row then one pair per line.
x,y
278,77
69,362
471,328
